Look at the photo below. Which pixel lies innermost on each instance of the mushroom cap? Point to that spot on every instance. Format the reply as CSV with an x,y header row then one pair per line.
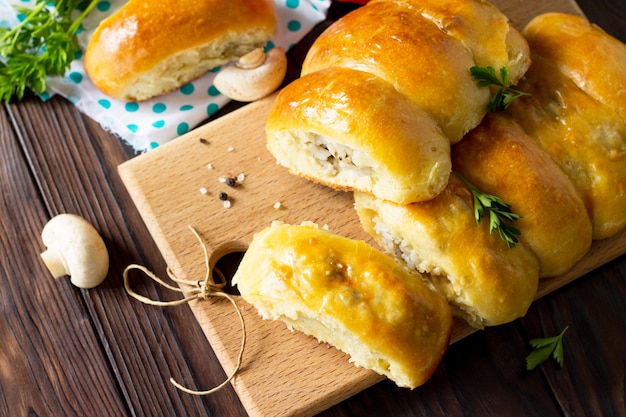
x,y
75,248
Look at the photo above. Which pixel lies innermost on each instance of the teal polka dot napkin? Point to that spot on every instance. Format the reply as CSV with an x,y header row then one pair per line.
x,y
148,124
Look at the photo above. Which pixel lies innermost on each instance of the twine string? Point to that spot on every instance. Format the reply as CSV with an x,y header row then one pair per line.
x,y
200,290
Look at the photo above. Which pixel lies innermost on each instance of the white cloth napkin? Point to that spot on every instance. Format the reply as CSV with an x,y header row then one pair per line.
x,y
148,124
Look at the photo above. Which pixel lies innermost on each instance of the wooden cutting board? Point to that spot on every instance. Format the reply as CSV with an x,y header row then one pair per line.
x,y
283,373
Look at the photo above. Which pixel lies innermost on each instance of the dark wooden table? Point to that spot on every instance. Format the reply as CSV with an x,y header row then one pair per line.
x,y
71,352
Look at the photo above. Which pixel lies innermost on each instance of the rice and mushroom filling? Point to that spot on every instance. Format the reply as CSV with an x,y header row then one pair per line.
x,y
433,275
338,159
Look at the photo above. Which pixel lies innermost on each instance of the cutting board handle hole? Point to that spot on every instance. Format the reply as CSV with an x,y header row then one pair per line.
x,y
225,260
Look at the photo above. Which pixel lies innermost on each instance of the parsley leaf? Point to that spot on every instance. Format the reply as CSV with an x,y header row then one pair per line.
x,y
43,44
498,212
544,347
486,76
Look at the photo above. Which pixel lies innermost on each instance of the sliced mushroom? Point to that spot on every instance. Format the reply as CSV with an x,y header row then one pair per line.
x,y
254,76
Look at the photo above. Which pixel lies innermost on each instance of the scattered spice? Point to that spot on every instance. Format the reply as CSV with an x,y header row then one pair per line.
x,y
209,166
203,141
204,191
232,181
277,205
230,149
224,197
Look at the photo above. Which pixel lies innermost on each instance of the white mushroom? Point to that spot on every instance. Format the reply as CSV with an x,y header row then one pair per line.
x,y
74,248
253,76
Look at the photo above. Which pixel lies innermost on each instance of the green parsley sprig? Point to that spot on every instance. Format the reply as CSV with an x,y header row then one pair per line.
x,y
43,44
498,211
486,76
543,348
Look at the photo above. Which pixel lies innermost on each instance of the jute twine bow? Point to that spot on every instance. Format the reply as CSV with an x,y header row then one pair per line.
x,y
200,290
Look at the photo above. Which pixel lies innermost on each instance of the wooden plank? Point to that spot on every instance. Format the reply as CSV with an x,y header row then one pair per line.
x,y
303,376
137,348
51,360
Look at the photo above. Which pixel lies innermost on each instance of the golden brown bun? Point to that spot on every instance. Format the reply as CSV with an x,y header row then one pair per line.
x,y
148,48
411,53
408,95
585,136
348,294
398,42
500,46
486,282
351,130
499,159
592,59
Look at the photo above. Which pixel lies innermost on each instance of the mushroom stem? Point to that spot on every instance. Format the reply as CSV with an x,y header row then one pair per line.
x,y
254,76
251,60
54,262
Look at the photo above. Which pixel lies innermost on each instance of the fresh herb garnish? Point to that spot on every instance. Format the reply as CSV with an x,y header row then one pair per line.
x,y
486,76
43,44
544,347
498,212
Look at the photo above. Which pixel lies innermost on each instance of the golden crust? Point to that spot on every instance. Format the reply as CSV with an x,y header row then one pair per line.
x,y
500,46
500,159
577,111
350,295
404,51
395,150
487,282
587,55
412,54
586,138
144,34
